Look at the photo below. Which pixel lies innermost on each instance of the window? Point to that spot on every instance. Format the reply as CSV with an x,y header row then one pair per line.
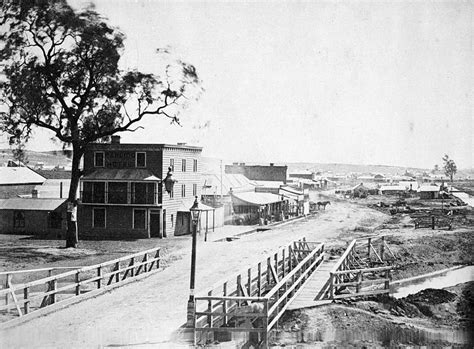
x,y
143,193
98,192
55,220
99,159
18,219
93,192
195,165
98,218
183,165
139,219
172,164
183,190
172,193
117,193
195,188
140,159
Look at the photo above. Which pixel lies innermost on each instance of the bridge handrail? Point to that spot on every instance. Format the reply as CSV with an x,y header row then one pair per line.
x,y
319,248
344,256
364,270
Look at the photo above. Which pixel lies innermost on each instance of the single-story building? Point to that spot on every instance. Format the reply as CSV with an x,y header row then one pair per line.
x,y
207,218
359,191
33,216
392,190
255,207
428,192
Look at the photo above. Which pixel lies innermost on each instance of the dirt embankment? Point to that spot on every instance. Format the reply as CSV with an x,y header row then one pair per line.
x,y
431,317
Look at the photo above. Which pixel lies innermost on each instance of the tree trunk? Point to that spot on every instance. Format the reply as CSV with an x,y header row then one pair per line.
x,y
72,237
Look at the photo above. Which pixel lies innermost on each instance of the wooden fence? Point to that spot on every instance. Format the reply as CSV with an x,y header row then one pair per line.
x,y
253,301
28,297
355,275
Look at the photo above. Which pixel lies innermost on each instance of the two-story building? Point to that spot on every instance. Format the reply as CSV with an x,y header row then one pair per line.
x,y
123,191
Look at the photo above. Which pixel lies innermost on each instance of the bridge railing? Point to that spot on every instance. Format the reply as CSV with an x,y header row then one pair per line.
x,y
31,296
253,301
354,276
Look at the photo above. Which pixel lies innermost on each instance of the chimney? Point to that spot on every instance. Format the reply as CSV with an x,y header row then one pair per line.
x,y
34,194
182,143
271,163
115,139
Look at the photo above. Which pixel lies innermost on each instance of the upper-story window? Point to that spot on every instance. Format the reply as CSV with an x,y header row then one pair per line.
x,y
183,190
195,189
172,164
195,165
99,159
183,165
140,159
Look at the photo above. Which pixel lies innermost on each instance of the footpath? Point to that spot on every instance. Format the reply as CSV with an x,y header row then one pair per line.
x,y
146,313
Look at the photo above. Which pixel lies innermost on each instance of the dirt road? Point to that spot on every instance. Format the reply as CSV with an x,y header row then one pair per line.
x,y
150,310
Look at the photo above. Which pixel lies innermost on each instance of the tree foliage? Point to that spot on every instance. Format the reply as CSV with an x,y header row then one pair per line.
x,y
449,166
61,73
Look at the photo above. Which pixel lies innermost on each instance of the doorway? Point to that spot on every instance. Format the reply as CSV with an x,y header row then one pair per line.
x,y
155,224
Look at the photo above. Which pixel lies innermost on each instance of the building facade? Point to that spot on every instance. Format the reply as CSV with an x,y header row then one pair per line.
x,y
259,172
123,192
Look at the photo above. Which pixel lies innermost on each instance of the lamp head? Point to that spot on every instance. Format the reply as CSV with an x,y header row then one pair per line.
x,y
195,210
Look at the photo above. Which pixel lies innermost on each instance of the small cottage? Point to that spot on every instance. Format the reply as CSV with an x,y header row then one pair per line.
x,y
33,216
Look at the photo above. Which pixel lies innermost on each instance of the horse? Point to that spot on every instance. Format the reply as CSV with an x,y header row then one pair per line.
x,y
323,204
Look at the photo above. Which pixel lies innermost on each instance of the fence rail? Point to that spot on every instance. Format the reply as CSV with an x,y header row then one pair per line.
x,y
30,296
254,301
364,269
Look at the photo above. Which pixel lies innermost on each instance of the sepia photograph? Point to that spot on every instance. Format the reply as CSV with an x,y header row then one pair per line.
x,y
236,174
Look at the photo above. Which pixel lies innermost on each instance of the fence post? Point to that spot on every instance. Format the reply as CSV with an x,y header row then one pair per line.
x,y
290,258
276,264
368,247
382,248
432,222
145,260
331,286
239,290
268,272
117,274
132,264
387,282
224,304
259,279
7,285
359,280
158,259
265,324
78,286
209,309
249,282
54,284
26,307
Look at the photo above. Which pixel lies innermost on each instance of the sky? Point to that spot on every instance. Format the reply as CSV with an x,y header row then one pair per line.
x,y
385,82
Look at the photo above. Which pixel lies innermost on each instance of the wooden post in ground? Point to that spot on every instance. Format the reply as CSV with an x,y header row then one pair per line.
x,y
78,286
382,248
99,275
224,303
331,286
249,282
432,222
259,279
368,248
8,281
26,305
265,325
54,284
283,262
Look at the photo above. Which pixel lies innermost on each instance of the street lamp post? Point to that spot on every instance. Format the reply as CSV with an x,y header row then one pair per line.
x,y
195,212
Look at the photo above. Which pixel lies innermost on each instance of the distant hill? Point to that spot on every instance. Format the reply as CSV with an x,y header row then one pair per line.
x,y
48,158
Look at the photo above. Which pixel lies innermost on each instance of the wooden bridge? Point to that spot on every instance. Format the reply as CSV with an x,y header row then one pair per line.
x,y
246,308
363,270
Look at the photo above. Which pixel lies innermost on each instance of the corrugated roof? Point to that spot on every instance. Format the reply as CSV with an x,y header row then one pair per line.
x,y
30,204
259,199
112,174
19,175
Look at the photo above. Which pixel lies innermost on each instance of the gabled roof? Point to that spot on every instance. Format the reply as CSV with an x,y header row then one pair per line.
x,y
19,176
112,174
30,204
